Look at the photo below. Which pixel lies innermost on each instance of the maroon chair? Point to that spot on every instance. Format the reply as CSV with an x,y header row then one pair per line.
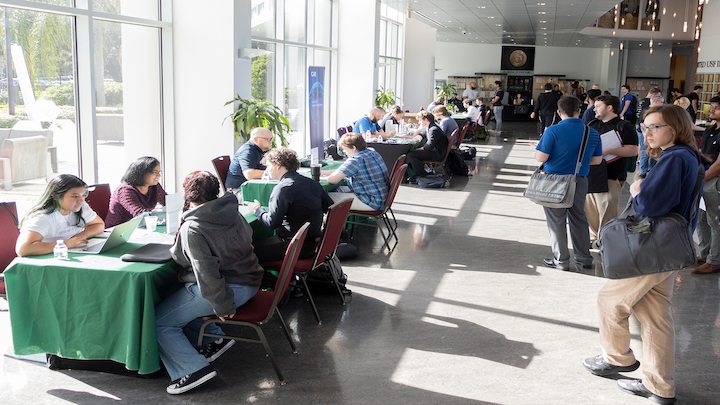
x,y
342,131
8,237
435,164
99,199
398,163
332,229
469,126
260,308
382,213
222,166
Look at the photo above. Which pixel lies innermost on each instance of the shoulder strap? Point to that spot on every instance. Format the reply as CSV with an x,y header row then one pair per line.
x,y
583,146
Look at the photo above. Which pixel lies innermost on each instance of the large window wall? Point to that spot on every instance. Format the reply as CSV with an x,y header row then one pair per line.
x,y
296,34
391,49
88,74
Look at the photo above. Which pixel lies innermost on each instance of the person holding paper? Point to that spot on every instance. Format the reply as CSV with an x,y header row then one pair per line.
x,y
606,180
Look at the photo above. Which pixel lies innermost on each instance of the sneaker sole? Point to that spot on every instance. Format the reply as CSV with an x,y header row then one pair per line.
x,y
618,369
188,387
221,351
650,396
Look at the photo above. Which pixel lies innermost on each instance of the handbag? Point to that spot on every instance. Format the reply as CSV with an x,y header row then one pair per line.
x,y
633,245
555,190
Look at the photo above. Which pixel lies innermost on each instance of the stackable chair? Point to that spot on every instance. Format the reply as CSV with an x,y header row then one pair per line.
x,y
222,166
398,163
99,199
381,215
435,164
260,308
332,229
342,131
469,126
8,236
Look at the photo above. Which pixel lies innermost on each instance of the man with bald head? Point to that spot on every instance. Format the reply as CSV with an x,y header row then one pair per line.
x,y
370,123
246,164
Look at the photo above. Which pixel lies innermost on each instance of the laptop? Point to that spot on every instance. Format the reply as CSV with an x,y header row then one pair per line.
x,y
118,236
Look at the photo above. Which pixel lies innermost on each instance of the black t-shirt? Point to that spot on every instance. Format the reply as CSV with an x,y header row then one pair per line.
x,y
693,96
500,93
709,144
617,170
547,104
642,105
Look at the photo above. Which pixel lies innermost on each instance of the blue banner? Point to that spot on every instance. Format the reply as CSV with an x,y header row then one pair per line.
x,y
316,104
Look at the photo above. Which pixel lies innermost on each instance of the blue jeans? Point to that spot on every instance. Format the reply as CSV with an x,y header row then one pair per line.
x,y
497,112
178,327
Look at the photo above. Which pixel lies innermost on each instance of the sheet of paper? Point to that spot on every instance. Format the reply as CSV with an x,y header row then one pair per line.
x,y
173,207
702,204
610,140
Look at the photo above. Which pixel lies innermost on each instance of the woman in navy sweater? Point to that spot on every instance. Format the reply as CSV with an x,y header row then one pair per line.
x,y
668,188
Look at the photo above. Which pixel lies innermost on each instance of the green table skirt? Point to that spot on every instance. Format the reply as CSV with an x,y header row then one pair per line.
x,y
261,189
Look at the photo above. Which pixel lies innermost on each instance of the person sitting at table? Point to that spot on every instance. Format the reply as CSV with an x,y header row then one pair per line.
x,y
444,120
438,101
139,192
365,173
370,123
296,199
394,116
61,214
472,111
434,149
246,164
220,272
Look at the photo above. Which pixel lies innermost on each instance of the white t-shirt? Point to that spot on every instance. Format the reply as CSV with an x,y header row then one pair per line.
x,y
473,113
55,226
471,94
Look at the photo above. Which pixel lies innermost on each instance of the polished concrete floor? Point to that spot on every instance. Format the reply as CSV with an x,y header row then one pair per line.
x,y
462,311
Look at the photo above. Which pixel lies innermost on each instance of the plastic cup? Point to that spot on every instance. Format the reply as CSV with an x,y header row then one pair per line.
x,y
315,172
151,223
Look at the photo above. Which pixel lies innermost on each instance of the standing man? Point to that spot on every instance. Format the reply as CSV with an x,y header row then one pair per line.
x,y
643,105
694,97
589,113
558,149
627,104
675,93
497,105
600,207
707,228
546,106
471,93
246,164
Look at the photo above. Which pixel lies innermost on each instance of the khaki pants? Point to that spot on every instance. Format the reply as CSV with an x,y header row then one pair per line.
x,y
602,207
650,297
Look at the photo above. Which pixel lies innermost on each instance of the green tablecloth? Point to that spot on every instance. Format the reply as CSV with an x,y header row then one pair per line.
x,y
93,307
261,189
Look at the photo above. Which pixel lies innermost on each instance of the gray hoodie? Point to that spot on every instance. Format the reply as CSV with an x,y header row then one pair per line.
x,y
214,248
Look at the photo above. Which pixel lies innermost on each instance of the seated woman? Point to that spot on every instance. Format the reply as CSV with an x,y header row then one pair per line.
x,y
295,200
213,248
434,149
61,214
139,192
365,173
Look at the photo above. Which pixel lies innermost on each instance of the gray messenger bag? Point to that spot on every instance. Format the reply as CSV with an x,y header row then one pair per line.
x,y
555,190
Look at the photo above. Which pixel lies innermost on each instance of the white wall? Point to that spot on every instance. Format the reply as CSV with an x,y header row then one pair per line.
x,y
207,73
457,59
357,55
642,63
709,39
418,64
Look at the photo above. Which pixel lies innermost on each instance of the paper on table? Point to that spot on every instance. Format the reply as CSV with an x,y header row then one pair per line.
x,y
611,140
173,207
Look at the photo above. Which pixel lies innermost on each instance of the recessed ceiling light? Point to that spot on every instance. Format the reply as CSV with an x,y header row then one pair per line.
x,y
541,4
544,33
541,12
498,25
543,28
481,6
543,21
491,17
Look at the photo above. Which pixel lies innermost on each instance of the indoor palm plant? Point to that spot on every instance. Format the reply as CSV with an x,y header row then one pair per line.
x,y
446,90
253,113
386,98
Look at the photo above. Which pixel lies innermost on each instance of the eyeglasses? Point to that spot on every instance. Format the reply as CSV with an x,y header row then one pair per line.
x,y
652,128
157,172
267,139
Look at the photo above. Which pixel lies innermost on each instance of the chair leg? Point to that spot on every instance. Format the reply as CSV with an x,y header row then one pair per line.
x,y
285,329
269,352
391,233
310,298
339,290
393,216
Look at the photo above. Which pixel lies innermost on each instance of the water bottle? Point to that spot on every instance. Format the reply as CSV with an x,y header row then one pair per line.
x,y
60,251
265,176
368,135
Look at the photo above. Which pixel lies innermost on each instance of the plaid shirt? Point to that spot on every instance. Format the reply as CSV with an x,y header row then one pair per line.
x,y
366,174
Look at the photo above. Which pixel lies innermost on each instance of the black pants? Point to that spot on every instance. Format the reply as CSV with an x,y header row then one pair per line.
x,y
273,249
415,159
546,121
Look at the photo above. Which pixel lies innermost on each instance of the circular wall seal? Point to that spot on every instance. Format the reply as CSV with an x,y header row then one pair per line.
x,y
518,58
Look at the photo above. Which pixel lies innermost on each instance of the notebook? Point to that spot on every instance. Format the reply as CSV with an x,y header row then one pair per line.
x,y
118,236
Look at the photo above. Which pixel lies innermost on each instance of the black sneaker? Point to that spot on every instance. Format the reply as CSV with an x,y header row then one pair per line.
x,y
213,350
598,366
636,387
191,381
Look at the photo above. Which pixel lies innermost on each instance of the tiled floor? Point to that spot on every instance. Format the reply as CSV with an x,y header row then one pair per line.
x,y
462,311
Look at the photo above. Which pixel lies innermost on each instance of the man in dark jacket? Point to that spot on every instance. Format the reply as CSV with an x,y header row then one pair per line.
x,y
434,149
546,107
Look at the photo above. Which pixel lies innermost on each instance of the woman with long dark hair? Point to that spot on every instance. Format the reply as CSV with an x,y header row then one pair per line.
x,y
220,272
139,192
668,187
61,214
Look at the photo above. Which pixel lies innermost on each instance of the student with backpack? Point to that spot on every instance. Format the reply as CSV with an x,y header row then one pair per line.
x,y
628,104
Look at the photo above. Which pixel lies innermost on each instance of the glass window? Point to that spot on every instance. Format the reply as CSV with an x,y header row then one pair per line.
x,y
263,18
382,42
67,3
294,105
323,22
295,20
263,73
629,13
149,9
607,20
127,88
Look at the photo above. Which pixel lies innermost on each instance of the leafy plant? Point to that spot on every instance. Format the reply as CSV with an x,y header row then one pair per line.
x,y
253,113
386,98
446,90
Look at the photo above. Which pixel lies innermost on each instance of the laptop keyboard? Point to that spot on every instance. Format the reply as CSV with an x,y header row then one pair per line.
x,y
95,248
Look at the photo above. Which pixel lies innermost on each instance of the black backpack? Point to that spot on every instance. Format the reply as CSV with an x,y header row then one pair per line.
x,y
456,164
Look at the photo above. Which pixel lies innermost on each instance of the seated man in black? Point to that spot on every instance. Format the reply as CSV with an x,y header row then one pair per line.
x,y
434,149
295,200
246,164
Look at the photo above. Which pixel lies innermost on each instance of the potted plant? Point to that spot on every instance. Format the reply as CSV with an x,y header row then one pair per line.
x,y
258,113
386,98
446,90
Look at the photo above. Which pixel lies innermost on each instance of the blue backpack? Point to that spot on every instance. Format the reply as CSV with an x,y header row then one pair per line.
x,y
437,181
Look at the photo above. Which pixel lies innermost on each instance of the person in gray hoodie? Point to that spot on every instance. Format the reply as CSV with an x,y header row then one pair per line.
x,y
220,272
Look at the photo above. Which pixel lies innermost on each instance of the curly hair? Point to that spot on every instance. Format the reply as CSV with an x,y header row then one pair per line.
x,y
200,187
136,172
54,192
285,157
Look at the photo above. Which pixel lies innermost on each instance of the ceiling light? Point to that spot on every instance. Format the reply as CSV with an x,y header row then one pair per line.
x,y
651,42
671,54
674,15
541,4
491,17
650,51
481,6
664,10
543,21
672,35
543,28
498,25
613,32
541,12
622,45
612,53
